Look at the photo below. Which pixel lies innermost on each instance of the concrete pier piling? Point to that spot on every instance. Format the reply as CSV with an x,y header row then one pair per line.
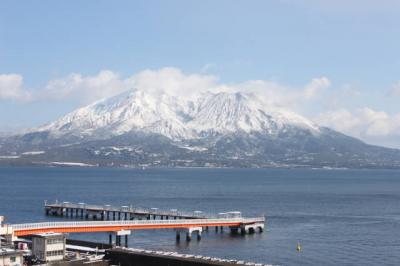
x,y
119,235
189,231
234,230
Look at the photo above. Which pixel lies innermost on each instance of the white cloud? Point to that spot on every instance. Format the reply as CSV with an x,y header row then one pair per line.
x,y
173,81
316,86
11,87
365,123
207,67
312,98
285,96
86,89
272,92
106,83
342,120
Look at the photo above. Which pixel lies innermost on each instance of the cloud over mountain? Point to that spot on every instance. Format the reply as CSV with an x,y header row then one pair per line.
x,y
11,87
203,128
319,99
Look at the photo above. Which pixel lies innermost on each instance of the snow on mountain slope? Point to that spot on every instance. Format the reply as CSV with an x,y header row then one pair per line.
x,y
176,117
230,112
209,130
129,111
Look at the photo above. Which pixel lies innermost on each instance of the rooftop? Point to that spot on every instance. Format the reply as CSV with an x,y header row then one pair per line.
x,y
49,235
9,251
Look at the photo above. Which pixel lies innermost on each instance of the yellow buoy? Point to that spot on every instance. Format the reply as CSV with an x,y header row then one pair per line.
x,y
298,247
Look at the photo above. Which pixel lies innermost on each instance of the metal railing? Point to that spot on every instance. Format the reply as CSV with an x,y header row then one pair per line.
x,y
134,210
204,222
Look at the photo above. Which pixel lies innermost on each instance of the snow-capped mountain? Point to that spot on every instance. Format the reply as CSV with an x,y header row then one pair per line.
x,y
177,118
139,129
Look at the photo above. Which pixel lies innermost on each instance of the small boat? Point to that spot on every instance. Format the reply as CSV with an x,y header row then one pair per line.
x,y
298,247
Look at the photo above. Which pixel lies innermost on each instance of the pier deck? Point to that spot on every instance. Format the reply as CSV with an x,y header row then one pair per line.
x,y
121,220
115,226
108,212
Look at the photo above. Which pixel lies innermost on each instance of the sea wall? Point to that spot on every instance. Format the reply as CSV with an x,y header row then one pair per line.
x,y
132,257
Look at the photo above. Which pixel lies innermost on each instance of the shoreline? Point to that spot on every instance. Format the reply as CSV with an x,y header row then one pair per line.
x,y
85,165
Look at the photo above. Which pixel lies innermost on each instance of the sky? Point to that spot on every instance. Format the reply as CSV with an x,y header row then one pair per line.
x,y
335,62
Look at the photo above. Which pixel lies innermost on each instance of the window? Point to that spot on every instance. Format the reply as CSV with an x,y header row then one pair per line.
x,y
55,241
55,253
13,259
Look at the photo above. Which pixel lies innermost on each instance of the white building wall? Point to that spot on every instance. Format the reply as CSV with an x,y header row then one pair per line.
x,y
49,249
12,260
55,250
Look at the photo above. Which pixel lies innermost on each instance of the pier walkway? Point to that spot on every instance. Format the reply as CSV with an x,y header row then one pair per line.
x,y
121,220
123,228
108,212
114,226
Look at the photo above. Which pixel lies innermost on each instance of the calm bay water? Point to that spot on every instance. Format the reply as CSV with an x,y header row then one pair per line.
x,y
340,217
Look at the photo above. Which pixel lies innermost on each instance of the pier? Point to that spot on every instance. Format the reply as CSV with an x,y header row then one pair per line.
x,y
123,228
120,221
108,212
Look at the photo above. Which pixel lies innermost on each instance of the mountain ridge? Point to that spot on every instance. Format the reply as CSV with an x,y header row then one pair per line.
x,y
222,129
175,117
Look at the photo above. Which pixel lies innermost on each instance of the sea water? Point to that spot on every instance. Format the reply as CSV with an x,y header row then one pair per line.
x,y
339,217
